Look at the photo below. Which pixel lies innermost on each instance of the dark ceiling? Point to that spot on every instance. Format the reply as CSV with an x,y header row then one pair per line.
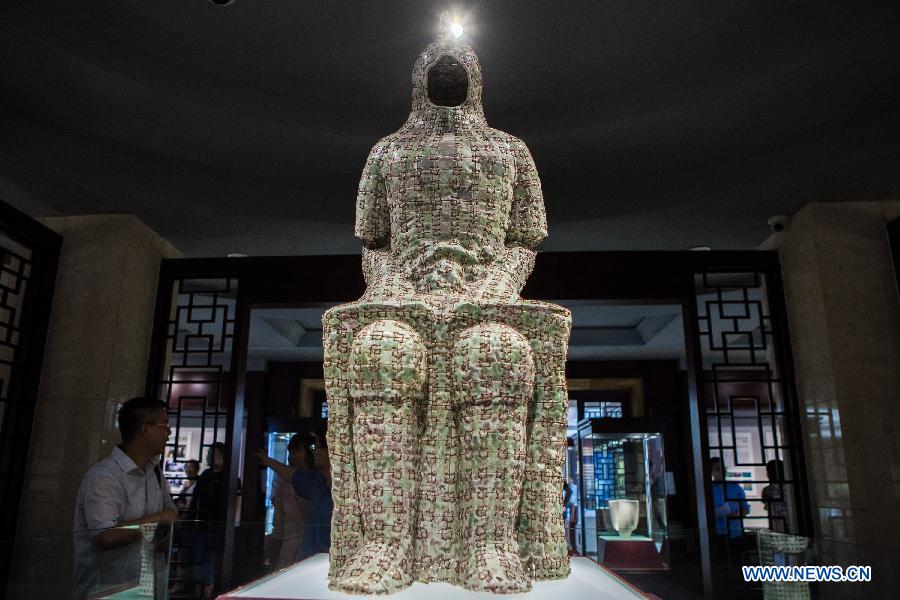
x,y
244,128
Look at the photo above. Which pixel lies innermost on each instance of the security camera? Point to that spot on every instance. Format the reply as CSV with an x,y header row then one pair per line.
x,y
778,223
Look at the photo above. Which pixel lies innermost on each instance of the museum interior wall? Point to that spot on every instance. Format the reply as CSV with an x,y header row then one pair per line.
x,y
842,301
96,357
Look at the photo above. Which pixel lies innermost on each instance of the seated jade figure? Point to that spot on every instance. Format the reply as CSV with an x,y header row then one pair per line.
x,y
446,390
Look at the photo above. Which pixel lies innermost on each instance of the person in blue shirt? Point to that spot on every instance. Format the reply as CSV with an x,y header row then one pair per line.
x,y
729,502
315,486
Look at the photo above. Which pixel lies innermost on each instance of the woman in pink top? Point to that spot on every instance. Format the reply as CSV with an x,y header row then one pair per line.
x,y
290,509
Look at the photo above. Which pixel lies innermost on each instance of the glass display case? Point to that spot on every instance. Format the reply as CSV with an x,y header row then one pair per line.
x,y
623,483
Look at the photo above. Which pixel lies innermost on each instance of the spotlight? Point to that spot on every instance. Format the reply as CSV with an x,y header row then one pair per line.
x,y
450,26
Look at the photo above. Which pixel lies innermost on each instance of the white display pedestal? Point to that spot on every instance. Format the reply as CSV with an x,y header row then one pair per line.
x,y
308,580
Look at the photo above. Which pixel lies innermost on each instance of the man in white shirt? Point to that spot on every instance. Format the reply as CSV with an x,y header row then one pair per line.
x,y
126,488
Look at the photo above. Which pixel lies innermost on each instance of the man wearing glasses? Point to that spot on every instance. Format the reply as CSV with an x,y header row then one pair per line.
x,y
125,489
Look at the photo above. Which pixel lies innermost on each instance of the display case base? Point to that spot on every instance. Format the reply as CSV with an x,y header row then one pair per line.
x,y
635,553
308,580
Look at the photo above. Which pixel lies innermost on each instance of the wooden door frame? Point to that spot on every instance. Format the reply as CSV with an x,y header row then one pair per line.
x,y
23,386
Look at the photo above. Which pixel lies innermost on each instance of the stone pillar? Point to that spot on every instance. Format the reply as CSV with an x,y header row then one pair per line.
x,y
96,358
844,317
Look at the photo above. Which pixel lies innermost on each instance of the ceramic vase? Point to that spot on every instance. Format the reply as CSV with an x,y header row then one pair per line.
x,y
624,515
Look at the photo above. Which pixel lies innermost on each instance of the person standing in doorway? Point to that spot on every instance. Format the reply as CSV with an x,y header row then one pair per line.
x,y
191,472
209,506
183,546
290,509
729,502
315,486
773,497
572,516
